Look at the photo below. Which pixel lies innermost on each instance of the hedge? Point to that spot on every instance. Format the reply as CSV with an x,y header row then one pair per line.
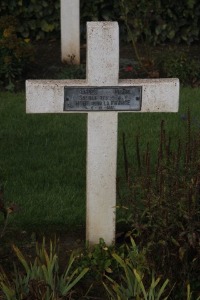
x,y
155,21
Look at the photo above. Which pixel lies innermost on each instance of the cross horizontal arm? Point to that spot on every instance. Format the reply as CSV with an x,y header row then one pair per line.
x,y
47,96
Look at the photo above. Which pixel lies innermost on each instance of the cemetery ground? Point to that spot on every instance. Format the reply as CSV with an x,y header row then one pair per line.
x,y
42,170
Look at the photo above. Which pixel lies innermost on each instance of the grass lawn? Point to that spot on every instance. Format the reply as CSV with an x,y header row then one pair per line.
x,y
43,157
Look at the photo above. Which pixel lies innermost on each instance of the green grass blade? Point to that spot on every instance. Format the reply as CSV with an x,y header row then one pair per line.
x,y
74,282
8,291
21,258
139,279
162,289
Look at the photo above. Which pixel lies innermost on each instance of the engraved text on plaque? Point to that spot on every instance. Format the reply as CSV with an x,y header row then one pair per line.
x,y
103,98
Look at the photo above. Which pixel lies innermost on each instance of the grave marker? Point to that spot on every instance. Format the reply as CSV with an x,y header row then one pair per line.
x,y
70,31
102,95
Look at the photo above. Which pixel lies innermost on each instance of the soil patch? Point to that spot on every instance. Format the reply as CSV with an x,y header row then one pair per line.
x,y
48,56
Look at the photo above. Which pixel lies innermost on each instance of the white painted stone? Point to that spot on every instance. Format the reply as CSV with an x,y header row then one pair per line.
x,y
101,176
47,96
158,95
102,54
70,31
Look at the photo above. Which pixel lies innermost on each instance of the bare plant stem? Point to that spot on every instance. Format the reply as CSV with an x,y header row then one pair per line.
x,y
138,154
4,226
125,158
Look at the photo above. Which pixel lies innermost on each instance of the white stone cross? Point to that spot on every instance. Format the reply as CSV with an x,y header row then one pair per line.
x,y
70,31
47,96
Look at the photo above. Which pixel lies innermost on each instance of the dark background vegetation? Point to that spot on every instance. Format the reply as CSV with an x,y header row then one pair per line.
x,y
162,38
157,21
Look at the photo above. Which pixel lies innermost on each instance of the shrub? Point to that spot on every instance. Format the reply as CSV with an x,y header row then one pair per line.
x,y
179,64
37,18
164,206
162,21
15,52
155,21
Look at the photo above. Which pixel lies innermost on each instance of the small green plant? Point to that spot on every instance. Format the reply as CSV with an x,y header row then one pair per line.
x,y
42,278
133,287
99,259
131,284
72,71
15,53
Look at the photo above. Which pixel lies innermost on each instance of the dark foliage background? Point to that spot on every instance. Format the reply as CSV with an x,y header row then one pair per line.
x,y
154,21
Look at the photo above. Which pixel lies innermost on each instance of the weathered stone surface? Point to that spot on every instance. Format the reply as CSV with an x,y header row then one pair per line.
x,y
70,31
47,96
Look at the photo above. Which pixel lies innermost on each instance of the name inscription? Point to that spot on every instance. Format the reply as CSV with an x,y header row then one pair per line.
x,y
103,98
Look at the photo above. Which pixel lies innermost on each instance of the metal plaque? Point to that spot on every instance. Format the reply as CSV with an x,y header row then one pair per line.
x,y
103,98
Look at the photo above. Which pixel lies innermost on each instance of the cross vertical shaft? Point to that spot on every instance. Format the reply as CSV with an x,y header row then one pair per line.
x,y
102,70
